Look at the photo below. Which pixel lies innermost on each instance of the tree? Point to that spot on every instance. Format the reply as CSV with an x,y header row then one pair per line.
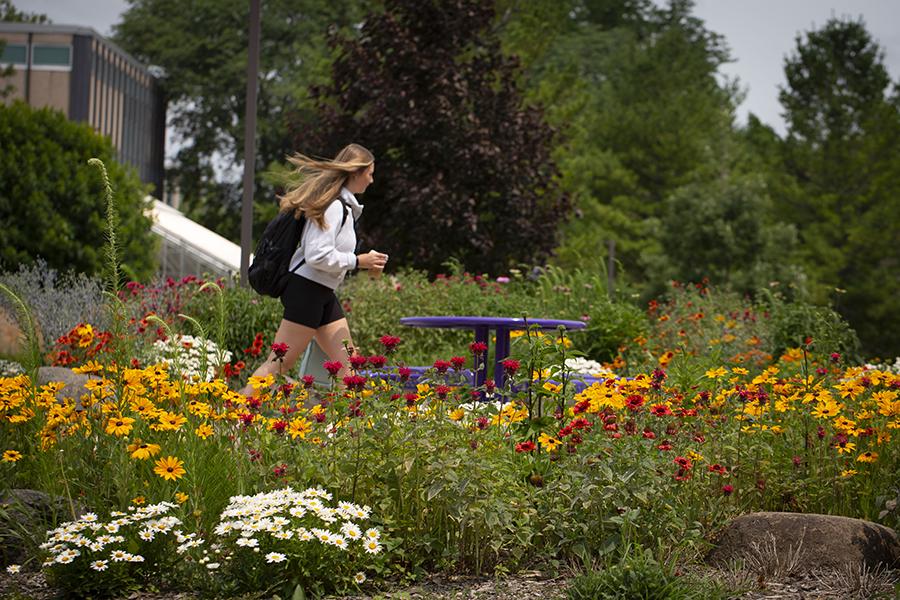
x,y
843,152
200,48
633,89
720,231
463,169
52,203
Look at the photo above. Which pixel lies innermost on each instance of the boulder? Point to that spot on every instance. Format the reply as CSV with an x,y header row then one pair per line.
x,y
74,387
806,542
25,515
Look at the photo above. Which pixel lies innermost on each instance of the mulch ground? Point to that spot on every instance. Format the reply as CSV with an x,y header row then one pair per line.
x,y
531,586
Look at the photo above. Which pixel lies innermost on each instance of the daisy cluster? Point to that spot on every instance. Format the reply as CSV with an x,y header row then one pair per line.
x,y
287,514
189,352
101,543
583,366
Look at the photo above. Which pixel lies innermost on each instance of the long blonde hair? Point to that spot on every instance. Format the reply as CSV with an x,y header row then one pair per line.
x,y
321,181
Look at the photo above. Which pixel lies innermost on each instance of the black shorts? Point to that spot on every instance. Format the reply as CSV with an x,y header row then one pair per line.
x,y
309,303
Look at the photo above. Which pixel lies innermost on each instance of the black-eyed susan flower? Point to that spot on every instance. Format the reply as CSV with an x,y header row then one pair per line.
x,y
11,456
203,431
119,426
170,468
181,497
142,450
867,457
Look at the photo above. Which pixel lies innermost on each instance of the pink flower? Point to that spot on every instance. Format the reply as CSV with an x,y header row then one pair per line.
x,y
308,381
726,490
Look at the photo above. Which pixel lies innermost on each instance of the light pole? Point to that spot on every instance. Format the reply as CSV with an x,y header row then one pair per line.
x,y
250,141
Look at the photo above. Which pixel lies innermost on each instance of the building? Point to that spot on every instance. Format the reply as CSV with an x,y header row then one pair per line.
x,y
90,79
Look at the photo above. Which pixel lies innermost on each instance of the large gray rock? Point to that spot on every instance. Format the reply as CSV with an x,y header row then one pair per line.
x,y
25,515
805,542
74,382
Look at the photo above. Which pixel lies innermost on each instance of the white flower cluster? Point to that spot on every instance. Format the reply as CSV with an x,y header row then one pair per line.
x,y
887,367
275,514
100,542
583,366
10,368
188,352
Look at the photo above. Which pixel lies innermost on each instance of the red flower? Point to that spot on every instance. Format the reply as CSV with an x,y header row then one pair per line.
x,y
389,342
510,365
683,463
580,423
665,446
308,381
528,446
333,367
404,373
441,366
279,426
442,391
279,470
358,362
280,349
411,398
458,362
355,382
377,361
648,434
634,402
481,422
726,490
718,469
581,407
478,347
660,410
682,475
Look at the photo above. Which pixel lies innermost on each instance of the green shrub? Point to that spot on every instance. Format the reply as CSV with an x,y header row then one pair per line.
x,y
639,576
51,200
793,323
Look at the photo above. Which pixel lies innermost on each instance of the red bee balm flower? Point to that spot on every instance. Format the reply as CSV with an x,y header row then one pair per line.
x,y
726,490
280,349
358,362
333,367
377,361
510,365
458,362
389,342
478,347
355,382
441,366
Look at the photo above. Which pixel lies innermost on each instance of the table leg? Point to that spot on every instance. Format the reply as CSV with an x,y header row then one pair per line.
x,y
501,353
481,335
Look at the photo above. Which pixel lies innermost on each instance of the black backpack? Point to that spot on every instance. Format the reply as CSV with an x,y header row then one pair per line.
x,y
269,274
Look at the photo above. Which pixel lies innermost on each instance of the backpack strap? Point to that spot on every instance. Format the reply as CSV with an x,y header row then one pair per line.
x,y
302,223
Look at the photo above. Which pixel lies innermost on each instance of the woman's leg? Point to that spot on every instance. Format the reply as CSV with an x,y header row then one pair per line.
x,y
331,338
297,338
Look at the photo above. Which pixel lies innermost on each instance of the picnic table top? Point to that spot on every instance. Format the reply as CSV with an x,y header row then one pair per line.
x,y
471,322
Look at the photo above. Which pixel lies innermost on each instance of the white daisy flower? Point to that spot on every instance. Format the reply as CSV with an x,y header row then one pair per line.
x,y
351,531
64,559
213,565
89,517
99,565
372,534
372,546
359,578
275,557
147,535
248,542
13,569
135,558
339,541
119,555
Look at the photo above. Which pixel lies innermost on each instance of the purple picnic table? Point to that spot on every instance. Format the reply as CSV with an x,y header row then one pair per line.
x,y
482,326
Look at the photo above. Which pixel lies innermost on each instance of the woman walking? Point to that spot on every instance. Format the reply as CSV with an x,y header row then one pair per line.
x,y
326,196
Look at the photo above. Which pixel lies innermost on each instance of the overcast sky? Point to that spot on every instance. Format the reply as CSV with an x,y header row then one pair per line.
x,y
760,33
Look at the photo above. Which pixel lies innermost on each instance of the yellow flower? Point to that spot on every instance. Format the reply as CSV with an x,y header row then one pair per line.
x,y
716,373
119,426
457,415
848,473
86,335
138,500
203,431
88,368
181,498
142,451
846,447
551,387
170,421
867,457
548,443
826,410
11,456
169,468
299,427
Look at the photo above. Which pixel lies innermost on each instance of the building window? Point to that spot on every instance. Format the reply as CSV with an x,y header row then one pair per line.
x,y
54,57
15,54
